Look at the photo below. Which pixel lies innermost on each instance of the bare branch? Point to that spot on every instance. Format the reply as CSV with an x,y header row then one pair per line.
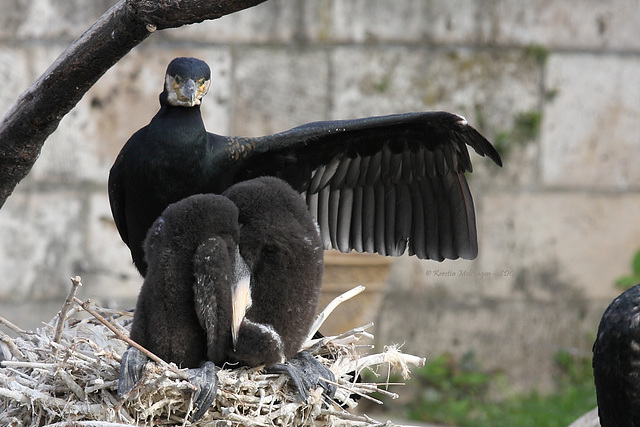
x,y
62,314
85,305
38,111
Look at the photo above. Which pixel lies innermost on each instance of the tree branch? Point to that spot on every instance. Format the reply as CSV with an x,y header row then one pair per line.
x,y
38,111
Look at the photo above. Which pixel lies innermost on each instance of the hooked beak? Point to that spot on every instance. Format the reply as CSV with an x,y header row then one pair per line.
x,y
240,296
188,92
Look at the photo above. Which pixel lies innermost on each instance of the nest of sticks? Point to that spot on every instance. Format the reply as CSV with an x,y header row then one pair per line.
x,y
66,373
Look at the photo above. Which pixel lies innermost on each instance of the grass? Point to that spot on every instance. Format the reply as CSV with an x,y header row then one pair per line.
x,y
458,393
629,280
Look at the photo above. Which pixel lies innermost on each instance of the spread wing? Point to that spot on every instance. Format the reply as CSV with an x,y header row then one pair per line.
x,y
378,184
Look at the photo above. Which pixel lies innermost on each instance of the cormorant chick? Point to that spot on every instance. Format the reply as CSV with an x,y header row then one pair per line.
x,y
386,184
183,312
281,244
616,362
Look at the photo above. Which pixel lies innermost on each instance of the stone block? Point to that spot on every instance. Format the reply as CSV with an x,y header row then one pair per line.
x,y
397,79
395,21
41,245
50,19
592,25
276,89
108,273
590,128
557,243
274,21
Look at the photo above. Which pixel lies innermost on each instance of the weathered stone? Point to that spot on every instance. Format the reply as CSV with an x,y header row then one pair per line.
x,y
42,244
588,129
363,21
274,21
594,25
585,240
50,19
108,272
276,89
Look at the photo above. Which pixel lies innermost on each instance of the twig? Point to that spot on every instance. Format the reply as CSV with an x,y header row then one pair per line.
x,y
85,305
87,424
62,314
35,365
11,326
330,307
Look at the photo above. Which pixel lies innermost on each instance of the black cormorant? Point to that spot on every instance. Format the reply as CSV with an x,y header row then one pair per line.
x,y
202,305
377,184
616,362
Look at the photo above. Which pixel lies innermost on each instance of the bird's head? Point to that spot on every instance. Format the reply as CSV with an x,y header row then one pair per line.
x,y
186,82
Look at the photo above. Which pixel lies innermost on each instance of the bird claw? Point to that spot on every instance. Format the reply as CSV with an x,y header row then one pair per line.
x,y
206,382
306,373
131,366
204,379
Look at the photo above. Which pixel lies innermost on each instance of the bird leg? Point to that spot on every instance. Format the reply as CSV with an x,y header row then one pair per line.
x,y
206,381
306,373
131,366
203,378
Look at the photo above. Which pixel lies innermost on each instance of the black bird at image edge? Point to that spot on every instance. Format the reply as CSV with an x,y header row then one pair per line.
x,y
388,185
616,362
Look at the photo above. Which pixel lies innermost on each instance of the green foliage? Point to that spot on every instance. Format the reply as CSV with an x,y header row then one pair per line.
x,y
627,281
525,129
539,53
459,393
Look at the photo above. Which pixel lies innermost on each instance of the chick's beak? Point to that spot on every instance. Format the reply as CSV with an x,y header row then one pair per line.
x,y
240,296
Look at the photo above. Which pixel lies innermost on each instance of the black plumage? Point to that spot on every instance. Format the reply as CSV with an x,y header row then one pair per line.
x,y
281,245
616,362
378,184
197,276
191,245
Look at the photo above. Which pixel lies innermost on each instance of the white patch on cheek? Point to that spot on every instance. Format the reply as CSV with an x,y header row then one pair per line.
x,y
172,96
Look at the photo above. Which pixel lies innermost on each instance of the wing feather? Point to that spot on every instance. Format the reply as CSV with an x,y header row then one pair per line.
x,y
356,220
380,210
417,244
404,216
383,184
344,219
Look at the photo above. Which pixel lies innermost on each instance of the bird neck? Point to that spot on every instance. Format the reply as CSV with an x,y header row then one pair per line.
x,y
180,126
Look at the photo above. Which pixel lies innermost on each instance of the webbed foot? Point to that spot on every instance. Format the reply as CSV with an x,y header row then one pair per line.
x,y
131,366
203,378
206,381
306,373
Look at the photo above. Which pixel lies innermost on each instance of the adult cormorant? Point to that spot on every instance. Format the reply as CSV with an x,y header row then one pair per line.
x,y
616,362
202,305
377,184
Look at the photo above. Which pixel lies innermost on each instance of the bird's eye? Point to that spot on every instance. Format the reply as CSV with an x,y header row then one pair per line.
x,y
201,81
178,79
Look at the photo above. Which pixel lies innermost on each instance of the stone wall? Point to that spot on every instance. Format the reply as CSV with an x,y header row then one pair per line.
x,y
555,84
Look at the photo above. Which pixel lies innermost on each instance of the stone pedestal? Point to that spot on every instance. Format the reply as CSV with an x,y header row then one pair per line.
x,y
344,272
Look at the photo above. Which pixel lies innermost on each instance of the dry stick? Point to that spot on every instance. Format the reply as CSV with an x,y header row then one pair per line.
x,y
11,326
330,307
105,322
62,314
